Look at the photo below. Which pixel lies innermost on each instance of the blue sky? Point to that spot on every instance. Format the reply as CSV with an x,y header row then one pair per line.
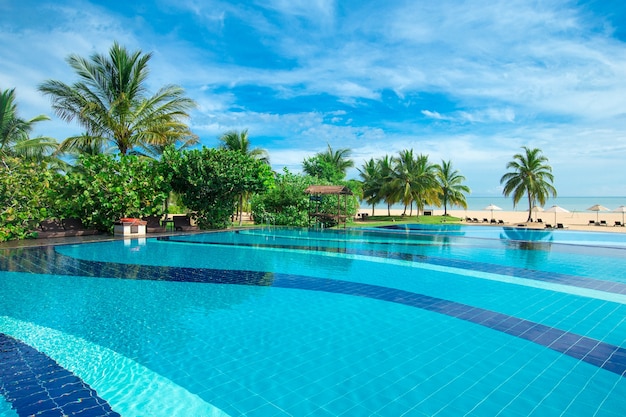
x,y
466,81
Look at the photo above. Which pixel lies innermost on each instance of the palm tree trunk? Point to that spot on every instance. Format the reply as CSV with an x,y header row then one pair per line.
x,y
240,210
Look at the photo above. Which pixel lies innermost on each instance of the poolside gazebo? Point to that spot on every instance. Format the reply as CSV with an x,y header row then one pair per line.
x,y
316,192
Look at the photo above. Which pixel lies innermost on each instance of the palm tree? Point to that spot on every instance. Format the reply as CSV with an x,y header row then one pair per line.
x,y
414,181
110,101
236,141
330,165
239,142
15,132
451,188
370,175
530,176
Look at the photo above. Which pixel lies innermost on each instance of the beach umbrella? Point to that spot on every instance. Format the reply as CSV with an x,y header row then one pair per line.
x,y
537,209
597,208
621,209
492,207
556,209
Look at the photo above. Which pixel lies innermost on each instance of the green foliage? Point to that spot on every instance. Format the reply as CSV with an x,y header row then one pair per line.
x,y
23,203
286,204
104,189
209,181
530,176
329,165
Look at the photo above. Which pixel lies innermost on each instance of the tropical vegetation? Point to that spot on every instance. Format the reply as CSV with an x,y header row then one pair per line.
x,y
529,176
15,140
136,152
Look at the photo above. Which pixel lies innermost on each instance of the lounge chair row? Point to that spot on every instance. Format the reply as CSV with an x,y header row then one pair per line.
x,y
603,223
475,220
74,227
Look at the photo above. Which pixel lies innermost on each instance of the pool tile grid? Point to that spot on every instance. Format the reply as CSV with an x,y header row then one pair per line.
x,y
34,384
604,355
532,274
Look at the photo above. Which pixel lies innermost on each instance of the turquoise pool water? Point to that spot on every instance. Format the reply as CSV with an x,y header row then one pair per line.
x,y
422,322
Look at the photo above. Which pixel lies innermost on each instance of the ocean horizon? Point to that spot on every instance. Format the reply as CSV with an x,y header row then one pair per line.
x,y
573,204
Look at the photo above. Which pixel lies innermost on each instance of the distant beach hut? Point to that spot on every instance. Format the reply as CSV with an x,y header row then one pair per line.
x,y
492,207
556,209
597,208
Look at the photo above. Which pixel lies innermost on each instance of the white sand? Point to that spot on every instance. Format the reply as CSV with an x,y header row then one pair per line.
x,y
573,220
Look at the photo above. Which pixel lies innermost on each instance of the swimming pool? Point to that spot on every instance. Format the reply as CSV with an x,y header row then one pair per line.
x,y
289,322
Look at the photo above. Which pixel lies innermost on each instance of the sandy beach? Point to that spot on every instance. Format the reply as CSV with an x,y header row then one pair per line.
x,y
572,220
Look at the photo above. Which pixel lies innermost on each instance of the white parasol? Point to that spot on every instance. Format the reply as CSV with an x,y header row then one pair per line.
x,y
492,207
556,209
621,209
537,209
597,208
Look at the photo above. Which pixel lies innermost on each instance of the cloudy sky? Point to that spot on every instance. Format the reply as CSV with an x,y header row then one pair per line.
x,y
466,81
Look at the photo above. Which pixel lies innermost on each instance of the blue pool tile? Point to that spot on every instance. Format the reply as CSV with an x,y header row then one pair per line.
x,y
34,384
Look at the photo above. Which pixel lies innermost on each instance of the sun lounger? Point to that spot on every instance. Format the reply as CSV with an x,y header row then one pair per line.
x,y
154,225
548,226
539,221
475,220
183,223
591,223
500,221
602,223
560,226
485,220
63,228
617,223
493,221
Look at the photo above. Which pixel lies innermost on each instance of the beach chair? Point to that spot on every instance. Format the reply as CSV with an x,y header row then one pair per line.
x,y
618,223
493,221
592,223
183,223
475,220
560,226
539,221
548,226
602,223
468,219
500,221
485,220
154,225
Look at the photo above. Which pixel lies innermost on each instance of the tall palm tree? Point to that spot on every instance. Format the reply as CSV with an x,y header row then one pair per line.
x,y
451,188
15,132
370,175
239,142
414,181
530,176
330,165
111,102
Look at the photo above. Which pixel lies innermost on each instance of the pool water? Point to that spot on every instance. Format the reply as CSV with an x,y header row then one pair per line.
x,y
413,321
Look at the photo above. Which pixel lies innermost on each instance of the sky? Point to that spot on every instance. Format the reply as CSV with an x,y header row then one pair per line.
x,y
464,81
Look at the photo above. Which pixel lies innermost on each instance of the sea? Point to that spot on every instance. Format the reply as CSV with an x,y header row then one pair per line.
x,y
573,204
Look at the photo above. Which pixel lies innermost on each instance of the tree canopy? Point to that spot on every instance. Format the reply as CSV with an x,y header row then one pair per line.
x,y
530,176
110,101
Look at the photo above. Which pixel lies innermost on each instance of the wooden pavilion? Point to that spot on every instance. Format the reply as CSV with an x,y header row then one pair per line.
x,y
317,191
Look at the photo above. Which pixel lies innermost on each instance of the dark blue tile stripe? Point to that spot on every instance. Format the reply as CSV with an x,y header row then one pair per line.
x,y
544,276
606,356
35,384
597,353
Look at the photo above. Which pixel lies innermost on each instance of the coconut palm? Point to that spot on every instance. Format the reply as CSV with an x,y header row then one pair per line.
x,y
451,188
239,142
530,176
413,181
236,141
111,102
370,175
15,132
330,165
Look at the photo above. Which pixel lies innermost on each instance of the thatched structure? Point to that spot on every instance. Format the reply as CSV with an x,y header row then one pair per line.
x,y
316,192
